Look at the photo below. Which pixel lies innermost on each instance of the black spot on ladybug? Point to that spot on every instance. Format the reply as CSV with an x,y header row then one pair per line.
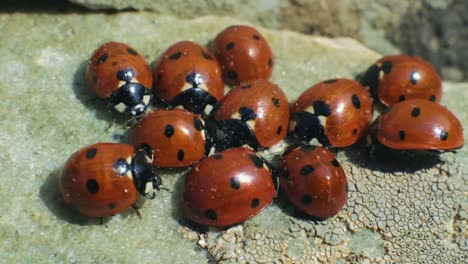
x,y
286,174
198,124
92,186
175,56
232,75
306,170
335,163
432,98
114,63
217,156
414,77
247,114
330,81
401,98
306,199
356,101
416,112
387,66
246,86
355,131
235,184
255,202
230,45
402,135
211,214
206,55
275,102
256,37
94,79
321,108
258,162
180,155
91,153
443,135
111,206
279,130
169,130
103,58
132,51
270,62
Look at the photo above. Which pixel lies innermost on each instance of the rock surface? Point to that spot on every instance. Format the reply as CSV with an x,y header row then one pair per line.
x,y
395,211
434,29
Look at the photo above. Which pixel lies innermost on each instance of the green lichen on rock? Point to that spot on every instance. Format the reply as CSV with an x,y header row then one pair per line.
x,y
48,113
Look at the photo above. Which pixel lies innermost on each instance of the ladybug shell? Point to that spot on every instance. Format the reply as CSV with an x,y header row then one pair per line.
x,y
268,103
419,124
314,181
228,188
400,77
344,107
91,183
244,54
177,137
102,73
181,60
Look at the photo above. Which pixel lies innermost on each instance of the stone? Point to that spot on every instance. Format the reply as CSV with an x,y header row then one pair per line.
x,y
48,113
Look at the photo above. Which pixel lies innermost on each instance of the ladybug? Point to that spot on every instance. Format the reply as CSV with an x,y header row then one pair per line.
x,y
255,113
188,75
314,181
336,112
244,54
401,77
105,178
177,137
228,188
119,74
417,124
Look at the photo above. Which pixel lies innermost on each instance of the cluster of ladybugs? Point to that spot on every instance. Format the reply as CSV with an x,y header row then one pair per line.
x,y
193,117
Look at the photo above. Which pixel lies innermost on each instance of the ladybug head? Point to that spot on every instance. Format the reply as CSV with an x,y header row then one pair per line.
x,y
195,98
232,133
307,126
131,98
146,180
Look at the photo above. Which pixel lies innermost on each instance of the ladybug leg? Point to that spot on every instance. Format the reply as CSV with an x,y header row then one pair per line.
x,y
136,208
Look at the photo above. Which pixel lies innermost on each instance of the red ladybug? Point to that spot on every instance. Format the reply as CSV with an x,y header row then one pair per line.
x,y
337,112
255,113
417,124
314,181
228,188
188,75
401,77
244,54
118,73
104,179
177,137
